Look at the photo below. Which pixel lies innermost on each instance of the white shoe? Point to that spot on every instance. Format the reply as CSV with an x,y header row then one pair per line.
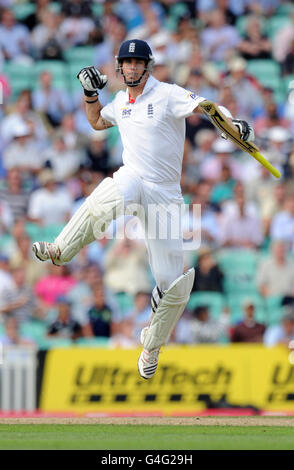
x,y
45,251
148,360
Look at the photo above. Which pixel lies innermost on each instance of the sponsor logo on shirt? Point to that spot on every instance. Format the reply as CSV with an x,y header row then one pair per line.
x,y
126,113
150,110
192,95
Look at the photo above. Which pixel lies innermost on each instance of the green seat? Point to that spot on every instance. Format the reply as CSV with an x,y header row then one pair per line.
x,y
241,25
34,329
84,55
22,10
288,84
125,301
285,9
235,303
57,68
274,309
214,300
98,342
239,268
262,67
275,24
52,231
20,77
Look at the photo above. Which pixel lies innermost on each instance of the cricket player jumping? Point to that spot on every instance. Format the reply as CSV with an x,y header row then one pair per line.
x,y
150,116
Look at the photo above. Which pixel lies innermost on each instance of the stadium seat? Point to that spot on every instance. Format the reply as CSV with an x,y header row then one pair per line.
x,y
124,301
214,300
275,24
20,77
99,342
57,68
22,10
84,55
261,68
239,268
274,309
34,329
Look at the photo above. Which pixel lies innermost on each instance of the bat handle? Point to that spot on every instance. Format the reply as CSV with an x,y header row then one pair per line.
x,y
266,164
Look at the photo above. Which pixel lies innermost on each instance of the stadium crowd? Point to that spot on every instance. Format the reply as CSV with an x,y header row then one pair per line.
x,y
237,53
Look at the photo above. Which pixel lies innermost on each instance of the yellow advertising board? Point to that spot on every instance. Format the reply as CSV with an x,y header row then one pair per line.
x,y
89,380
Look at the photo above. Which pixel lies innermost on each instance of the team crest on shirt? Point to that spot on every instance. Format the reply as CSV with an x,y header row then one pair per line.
x,y
126,113
192,95
132,47
150,110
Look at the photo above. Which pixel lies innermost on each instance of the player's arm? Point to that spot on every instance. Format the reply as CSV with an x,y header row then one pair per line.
x,y
92,81
245,130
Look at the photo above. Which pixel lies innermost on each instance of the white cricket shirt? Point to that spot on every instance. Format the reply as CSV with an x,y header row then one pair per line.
x,y
153,128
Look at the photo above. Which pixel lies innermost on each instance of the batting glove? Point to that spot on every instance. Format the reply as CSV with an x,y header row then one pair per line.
x,y
245,130
91,80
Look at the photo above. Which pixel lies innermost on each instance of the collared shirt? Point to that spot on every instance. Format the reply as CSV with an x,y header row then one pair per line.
x,y
153,128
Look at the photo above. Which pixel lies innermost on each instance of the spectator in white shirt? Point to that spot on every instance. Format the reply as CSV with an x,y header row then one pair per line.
x,y
282,226
14,37
50,204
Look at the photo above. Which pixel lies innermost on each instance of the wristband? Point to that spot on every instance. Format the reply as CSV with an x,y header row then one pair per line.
x,y
90,102
90,93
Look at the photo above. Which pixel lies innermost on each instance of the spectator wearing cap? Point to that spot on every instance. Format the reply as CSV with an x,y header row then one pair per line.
x,y
211,168
23,152
282,226
275,275
64,326
282,333
248,330
49,204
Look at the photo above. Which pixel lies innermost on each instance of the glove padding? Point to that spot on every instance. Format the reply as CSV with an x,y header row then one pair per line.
x,y
91,80
245,130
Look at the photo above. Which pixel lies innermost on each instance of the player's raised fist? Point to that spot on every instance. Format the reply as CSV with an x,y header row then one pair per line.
x,y
91,80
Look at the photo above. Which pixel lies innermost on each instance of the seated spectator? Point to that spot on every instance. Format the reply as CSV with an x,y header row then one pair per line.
x,y
12,335
22,111
126,267
14,37
224,188
218,39
244,88
208,275
58,282
50,101
211,168
201,328
75,27
288,64
46,36
64,162
34,18
137,318
239,227
275,275
278,143
99,315
14,194
255,44
282,333
22,256
98,158
50,204
19,302
282,226
6,218
64,326
283,39
6,280
248,330
23,151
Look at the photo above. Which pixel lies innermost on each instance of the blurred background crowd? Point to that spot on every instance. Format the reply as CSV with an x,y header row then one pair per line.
x,y
239,53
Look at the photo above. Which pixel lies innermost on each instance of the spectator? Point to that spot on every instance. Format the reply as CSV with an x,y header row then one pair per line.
x,y
219,39
76,25
19,302
99,314
14,195
14,37
12,335
138,317
58,282
64,326
98,154
63,162
283,333
208,275
255,44
50,101
126,267
240,228
6,280
46,36
288,63
6,217
275,275
224,188
201,328
248,330
211,168
282,226
282,40
23,152
50,204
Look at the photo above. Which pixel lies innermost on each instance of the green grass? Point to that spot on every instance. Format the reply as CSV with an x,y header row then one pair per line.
x,y
139,437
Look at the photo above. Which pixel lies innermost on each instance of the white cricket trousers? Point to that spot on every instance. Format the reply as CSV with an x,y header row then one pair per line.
x,y
161,205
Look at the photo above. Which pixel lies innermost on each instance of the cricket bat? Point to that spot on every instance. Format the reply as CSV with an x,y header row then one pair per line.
x,y
226,126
